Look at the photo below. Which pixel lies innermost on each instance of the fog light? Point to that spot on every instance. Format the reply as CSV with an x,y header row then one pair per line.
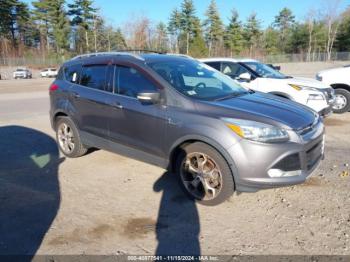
x,y
281,173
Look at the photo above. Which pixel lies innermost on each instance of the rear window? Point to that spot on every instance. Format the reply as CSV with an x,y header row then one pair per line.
x,y
72,73
215,65
94,76
60,74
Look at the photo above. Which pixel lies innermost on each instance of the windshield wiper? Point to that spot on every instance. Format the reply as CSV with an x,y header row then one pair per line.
x,y
232,95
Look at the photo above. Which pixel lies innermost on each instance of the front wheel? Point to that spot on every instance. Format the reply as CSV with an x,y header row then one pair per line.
x,y
205,175
342,101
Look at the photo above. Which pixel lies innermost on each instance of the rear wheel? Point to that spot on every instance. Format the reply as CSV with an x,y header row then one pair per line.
x,y
342,101
68,138
205,174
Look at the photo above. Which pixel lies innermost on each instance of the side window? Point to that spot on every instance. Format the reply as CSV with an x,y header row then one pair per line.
x,y
216,65
129,82
94,76
233,70
60,74
72,73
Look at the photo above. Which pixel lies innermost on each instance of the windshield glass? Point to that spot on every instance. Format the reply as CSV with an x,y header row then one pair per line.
x,y
197,80
265,70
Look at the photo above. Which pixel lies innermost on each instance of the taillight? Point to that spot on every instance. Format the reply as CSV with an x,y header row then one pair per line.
x,y
53,87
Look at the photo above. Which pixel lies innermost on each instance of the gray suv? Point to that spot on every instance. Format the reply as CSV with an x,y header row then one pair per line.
x,y
180,114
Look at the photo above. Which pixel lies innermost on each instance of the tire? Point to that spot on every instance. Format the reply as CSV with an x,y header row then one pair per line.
x,y
222,180
72,135
344,96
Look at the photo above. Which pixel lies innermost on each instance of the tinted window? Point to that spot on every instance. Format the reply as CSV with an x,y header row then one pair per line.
x,y
72,73
129,82
216,65
94,76
233,70
60,74
264,70
197,80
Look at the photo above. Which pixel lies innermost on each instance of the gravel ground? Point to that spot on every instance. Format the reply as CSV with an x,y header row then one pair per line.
x,y
104,203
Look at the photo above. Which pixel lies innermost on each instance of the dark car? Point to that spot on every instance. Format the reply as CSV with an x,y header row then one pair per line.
x,y
180,114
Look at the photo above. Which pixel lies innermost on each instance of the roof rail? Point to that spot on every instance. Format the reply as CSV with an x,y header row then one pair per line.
x,y
106,54
180,55
142,51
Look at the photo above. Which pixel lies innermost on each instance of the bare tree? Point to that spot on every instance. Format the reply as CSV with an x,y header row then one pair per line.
x,y
332,21
310,21
138,32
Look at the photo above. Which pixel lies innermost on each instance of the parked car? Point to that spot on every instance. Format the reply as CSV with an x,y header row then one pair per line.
x,y
261,77
180,114
339,79
278,68
48,72
22,73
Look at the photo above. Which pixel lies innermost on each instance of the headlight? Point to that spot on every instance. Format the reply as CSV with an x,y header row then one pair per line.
x,y
256,131
300,87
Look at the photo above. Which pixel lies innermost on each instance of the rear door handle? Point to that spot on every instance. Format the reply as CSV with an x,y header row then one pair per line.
x,y
75,95
117,105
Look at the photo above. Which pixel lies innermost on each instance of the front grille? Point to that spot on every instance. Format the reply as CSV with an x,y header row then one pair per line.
x,y
313,155
289,163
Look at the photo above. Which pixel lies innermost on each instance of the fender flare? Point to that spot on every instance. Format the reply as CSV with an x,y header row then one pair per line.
x,y
210,142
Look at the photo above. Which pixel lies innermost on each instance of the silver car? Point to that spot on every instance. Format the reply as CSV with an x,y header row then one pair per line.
x,y
22,73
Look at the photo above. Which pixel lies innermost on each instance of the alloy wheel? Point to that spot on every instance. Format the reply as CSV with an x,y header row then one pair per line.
x,y
340,102
201,176
65,137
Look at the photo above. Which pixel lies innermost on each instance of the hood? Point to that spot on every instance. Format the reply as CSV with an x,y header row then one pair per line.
x,y
303,81
263,108
332,70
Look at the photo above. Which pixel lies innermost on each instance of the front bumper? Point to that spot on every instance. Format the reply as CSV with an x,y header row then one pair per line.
x,y
326,111
21,76
254,160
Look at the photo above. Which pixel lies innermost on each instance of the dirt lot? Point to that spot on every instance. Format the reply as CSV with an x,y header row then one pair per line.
x,y
104,203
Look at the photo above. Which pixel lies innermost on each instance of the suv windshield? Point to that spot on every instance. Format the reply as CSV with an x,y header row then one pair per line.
x,y
264,70
197,80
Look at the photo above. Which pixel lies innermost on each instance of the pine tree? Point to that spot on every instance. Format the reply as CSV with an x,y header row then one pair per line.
x,y
197,46
162,38
83,17
213,28
252,32
59,24
174,27
271,40
284,22
42,19
343,37
187,21
234,35
118,40
14,18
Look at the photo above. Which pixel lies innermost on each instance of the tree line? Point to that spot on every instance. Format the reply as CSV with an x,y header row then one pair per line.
x,y
55,28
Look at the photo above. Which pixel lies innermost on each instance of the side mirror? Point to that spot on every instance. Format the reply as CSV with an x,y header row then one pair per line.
x,y
245,76
149,97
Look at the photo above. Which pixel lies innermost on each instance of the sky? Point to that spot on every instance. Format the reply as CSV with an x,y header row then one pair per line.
x,y
118,12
